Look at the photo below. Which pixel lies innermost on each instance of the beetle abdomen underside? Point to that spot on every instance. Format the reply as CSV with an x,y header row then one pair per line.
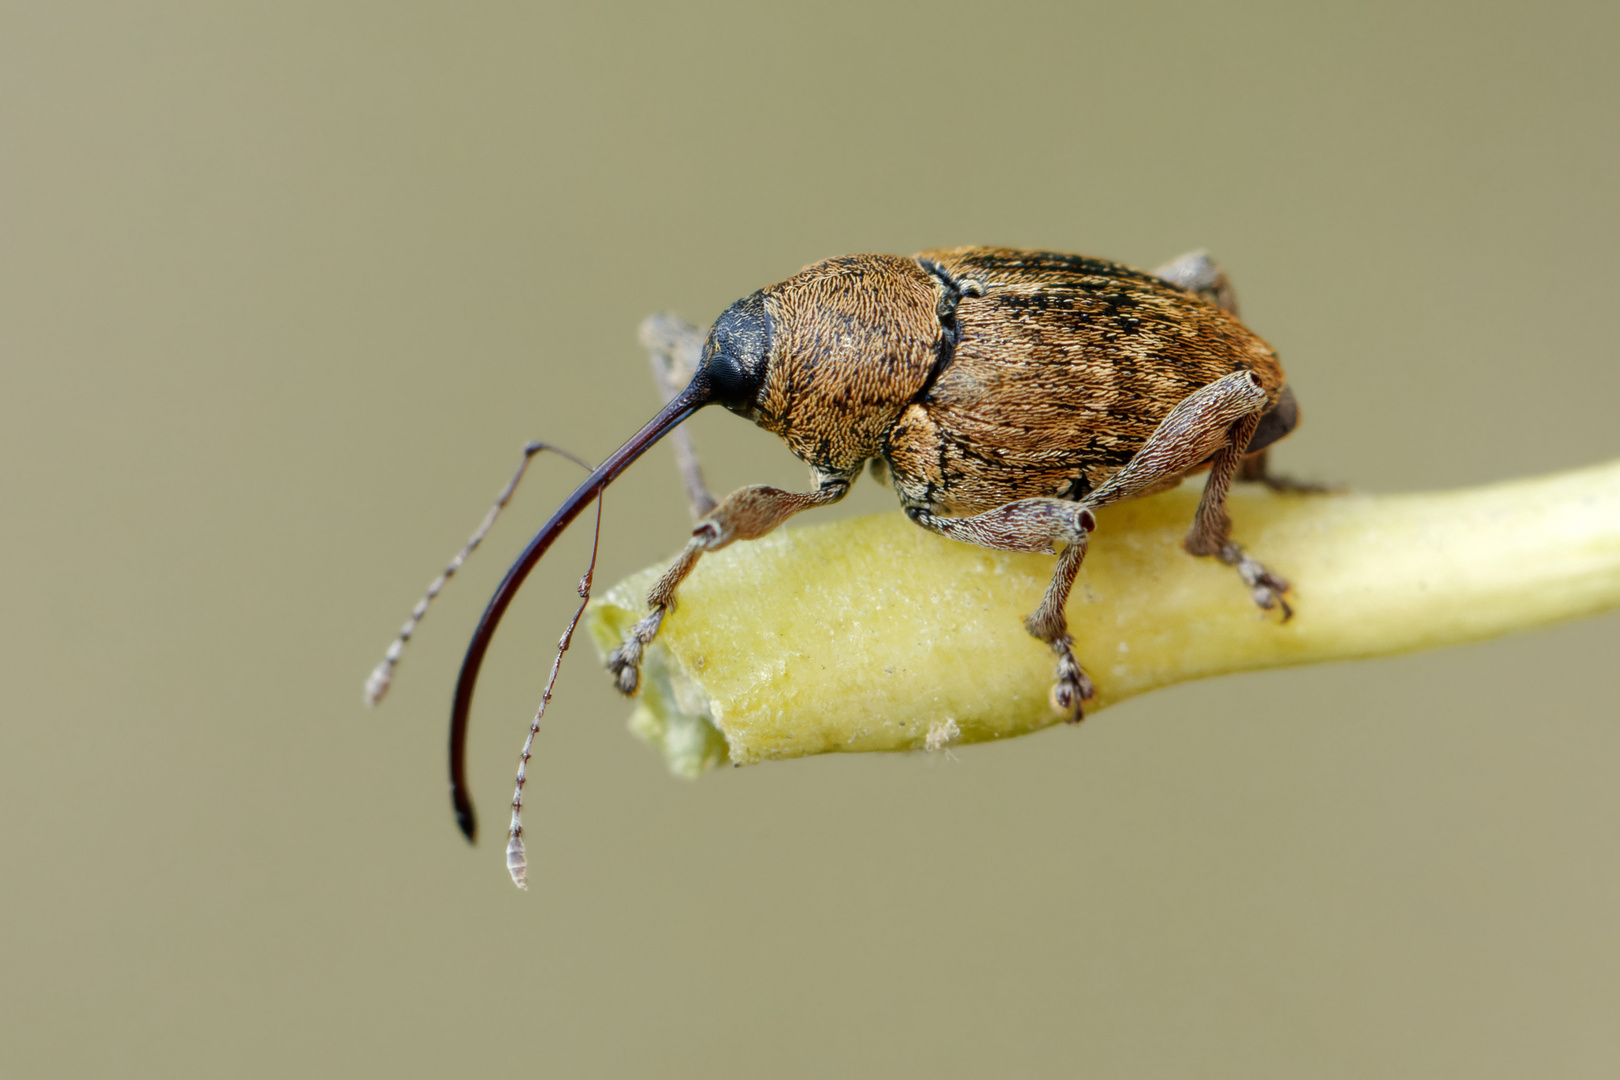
x,y
1063,367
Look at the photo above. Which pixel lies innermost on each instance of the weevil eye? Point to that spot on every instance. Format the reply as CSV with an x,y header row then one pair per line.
x,y
734,357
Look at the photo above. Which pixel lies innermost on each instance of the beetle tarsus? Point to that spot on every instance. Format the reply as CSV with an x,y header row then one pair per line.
x,y
625,661
1072,687
625,664
1266,588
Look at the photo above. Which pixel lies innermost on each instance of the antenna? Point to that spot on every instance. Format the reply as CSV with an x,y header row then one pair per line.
x,y
517,862
696,395
382,676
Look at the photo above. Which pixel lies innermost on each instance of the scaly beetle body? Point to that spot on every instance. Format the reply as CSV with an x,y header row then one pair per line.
x,y
978,375
1008,394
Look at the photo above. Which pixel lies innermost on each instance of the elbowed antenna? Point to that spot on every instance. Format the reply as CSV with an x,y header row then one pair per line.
x,y
382,676
696,395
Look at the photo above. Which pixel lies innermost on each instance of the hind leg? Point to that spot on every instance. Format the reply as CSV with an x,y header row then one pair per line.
x,y
1212,526
1256,469
1213,424
1201,275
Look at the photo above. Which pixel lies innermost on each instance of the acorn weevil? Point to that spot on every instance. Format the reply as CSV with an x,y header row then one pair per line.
x,y
1008,394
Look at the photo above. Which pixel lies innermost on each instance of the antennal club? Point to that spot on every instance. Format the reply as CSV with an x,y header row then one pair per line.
x,y
517,862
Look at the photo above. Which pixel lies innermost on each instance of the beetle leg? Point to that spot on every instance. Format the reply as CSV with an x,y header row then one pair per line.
x,y
1072,687
1201,426
746,514
1036,525
1212,526
674,348
1214,423
1256,469
1198,273
382,676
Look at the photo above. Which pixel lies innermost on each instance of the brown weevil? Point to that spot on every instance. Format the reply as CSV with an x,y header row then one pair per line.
x,y
1007,393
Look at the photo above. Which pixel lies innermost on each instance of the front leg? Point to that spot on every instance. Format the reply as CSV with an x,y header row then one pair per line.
x,y
674,347
746,514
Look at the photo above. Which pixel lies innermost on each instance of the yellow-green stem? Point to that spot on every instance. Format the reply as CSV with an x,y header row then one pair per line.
x,y
872,634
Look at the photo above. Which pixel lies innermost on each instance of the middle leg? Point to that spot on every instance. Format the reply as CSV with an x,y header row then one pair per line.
x,y
1036,525
1198,273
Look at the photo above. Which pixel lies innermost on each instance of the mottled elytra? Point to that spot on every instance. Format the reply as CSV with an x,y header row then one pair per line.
x,y
1007,394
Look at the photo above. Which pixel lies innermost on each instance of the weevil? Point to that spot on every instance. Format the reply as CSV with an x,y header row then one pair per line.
x,y
1005,394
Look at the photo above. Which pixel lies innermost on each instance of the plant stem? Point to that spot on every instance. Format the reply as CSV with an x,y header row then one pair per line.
x,y
872,634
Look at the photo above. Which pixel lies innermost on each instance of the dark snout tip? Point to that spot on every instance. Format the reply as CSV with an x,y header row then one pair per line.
x,y
466,819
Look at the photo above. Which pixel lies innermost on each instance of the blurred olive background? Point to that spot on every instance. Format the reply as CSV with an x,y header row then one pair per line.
x,y
284,288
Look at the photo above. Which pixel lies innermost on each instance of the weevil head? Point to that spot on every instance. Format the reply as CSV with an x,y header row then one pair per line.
x,y
737,354
828,358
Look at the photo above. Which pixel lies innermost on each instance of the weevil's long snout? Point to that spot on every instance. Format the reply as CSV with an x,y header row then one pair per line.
x,y
699,392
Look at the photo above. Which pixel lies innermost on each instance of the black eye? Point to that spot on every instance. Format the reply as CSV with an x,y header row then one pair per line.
x,y
734,357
